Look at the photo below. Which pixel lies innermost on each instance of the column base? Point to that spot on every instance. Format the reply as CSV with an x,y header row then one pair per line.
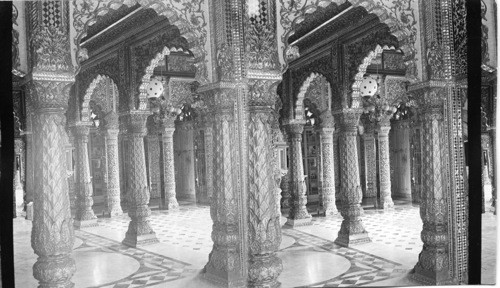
x,y
349,240
140,240
331,211
224,282
431,278
387,204
81,224
299,222
113,213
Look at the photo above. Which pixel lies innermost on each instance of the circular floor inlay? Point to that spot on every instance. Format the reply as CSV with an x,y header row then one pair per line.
x,y
302,268
97,268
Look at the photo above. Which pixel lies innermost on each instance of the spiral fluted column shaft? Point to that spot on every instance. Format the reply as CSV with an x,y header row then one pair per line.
x,y
352,230
298,213
114,207
169,168
384,166
139,230
85,216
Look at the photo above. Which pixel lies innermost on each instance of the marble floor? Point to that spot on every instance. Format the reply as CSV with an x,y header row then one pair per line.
x,y
310,258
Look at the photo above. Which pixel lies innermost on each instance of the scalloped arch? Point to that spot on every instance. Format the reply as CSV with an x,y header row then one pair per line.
x,y
85,112
299,104
192,29
401,33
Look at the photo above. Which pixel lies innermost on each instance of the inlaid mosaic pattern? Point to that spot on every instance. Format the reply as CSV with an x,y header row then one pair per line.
x,y
365,268
399,228
154,268
189,227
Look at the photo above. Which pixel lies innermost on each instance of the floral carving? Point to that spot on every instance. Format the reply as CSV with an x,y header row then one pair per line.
x,y
15,39
189,16
435,61
225,62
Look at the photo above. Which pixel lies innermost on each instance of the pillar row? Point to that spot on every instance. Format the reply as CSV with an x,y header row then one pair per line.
x,y
352,231
85,216
298,215
139,231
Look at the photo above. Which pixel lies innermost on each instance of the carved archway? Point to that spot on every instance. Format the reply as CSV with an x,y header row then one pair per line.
x,y
89,92
322,104
404,32
148,73
188,17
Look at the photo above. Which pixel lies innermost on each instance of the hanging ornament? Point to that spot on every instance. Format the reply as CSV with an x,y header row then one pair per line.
x,y
155,88
368,86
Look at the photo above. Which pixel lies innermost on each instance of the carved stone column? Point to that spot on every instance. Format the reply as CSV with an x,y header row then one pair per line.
x,y
370,162
285,191
352,230
326,138
225,266
336,164
209,157
264,176
298,215
139,231
153,143
52,234
384,164
167,133
18,186
432,266
71,173
113,199
85,216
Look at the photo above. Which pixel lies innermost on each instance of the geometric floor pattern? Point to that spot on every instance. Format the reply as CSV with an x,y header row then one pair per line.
x,y
365,268
154,268
188,227
400,227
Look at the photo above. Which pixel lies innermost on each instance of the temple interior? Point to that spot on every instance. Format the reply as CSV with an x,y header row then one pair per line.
x,y
256,143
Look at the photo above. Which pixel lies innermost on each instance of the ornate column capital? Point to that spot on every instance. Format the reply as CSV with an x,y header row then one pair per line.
x,y
137,122
112,120
295,127
47,94
81,130
383,129
348,119
168,121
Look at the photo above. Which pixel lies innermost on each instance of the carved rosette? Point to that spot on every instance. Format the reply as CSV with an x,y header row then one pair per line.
x,y
352,230
167,134
297,182
264,214
85,216
139,230
384,165
52,234
432,266
224,262
370,161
